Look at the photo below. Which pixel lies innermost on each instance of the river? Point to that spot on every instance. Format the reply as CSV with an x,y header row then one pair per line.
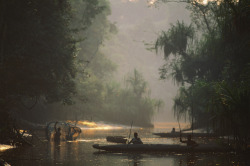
x,y
81,152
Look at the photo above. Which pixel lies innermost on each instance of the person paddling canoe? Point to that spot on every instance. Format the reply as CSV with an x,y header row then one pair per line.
x,y
136,139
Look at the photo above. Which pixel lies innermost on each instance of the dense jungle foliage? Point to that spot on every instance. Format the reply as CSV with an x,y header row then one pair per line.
x,y
51,67
210,61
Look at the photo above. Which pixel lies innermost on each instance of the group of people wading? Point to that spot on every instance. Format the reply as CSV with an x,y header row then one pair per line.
x,y
62,131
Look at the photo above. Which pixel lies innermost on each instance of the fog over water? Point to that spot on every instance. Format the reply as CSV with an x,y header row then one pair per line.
x,y
138,23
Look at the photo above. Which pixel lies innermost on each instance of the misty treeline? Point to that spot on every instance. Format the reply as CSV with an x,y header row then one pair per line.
x,y
51,67
210,61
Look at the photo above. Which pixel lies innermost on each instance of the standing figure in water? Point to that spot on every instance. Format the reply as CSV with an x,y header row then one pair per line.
x,y
57,133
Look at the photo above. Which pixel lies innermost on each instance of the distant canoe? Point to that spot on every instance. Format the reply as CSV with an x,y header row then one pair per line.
x,y
116,139
177,134
159,148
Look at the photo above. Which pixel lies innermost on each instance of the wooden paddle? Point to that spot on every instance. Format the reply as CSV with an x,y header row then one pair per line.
x,y
130,131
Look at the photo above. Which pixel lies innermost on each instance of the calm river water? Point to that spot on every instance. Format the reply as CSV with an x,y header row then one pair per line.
x,y
81,153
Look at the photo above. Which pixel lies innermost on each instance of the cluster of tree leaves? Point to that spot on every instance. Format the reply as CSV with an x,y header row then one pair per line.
x,y
52,68
210,60
38,52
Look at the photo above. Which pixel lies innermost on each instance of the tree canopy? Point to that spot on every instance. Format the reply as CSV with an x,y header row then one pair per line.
x,y
210,59
38,52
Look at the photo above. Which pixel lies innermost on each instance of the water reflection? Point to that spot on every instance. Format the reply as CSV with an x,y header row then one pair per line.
x,y
172,159
135,158
63,152
55,152
131,159
81,152
149,159
188,160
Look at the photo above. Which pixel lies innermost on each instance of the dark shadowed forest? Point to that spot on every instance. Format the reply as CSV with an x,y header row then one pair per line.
x,y
52,67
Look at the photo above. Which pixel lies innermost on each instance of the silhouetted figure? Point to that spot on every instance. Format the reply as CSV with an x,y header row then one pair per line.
x,y
72,131
189,141
136,140
173,130
57,133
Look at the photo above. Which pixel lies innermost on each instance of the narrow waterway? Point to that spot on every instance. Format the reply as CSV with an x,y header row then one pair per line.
x,y
81,152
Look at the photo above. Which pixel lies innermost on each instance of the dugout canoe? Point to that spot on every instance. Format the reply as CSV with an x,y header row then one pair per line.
x,y
159,148
177,134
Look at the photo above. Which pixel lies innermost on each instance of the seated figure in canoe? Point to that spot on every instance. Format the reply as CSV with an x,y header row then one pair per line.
x,y
136,139
173,131
189,142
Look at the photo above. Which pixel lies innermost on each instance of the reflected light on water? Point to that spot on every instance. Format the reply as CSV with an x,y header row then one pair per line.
x,y
105,126
84,123
170,125
92,140
87,123
5,147
97,126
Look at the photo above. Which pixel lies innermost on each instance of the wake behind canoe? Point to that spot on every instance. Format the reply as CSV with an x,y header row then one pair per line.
x,y
159,148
